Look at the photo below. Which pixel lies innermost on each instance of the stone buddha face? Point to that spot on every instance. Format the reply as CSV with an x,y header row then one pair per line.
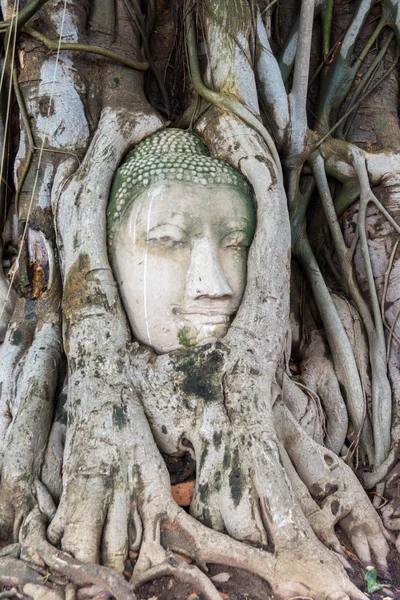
x,y
179,254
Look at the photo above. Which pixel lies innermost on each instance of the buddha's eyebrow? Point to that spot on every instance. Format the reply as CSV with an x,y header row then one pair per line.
x,y
176,218
241,223
166,224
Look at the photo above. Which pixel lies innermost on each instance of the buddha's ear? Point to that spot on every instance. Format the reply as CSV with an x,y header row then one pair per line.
x,y
41,263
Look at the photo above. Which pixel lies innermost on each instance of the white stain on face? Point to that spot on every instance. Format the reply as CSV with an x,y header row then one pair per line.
x,y
153,195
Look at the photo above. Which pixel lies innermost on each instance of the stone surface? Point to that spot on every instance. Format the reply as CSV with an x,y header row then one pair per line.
x,y
178,247
180,263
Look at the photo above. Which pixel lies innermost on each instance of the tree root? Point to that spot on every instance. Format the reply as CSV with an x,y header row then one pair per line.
x,y
52,45
305,404
17,572
318,373
321,523
181,533
381,392
370,479
22,461
168,529
338,491
339,344
66,565
255,467
13,593
172,565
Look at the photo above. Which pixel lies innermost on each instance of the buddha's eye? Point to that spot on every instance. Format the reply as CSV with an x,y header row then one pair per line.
x,y
235,240
169,237
167,241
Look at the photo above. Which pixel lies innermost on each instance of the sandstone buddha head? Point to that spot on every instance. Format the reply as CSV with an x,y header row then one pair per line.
x,y
179,224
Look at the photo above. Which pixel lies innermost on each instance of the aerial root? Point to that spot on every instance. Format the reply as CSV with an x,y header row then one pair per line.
x,y
382,398
69,567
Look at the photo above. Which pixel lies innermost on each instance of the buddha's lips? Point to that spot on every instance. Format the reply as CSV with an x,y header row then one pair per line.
x,y
203,318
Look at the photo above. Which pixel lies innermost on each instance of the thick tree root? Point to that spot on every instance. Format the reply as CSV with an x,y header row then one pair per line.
x,y
322,580
167,529
322,523
18,572
318,373
391,511
338,491
63,563
371,479
185,573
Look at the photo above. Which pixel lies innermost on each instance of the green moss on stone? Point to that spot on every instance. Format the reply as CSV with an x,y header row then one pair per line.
x,y
184,336
17,337
119,416
202,373
235,479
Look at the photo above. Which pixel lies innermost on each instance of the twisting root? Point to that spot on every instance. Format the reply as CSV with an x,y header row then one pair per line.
x,y
372,478
180,571
168,529
63,563
17,572
155,562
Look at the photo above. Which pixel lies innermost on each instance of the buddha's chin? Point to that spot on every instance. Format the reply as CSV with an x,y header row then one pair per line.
x,y
209,332
194,334
187,335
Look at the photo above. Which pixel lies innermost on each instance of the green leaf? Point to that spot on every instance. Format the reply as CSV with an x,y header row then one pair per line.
x,y
370,578
46,577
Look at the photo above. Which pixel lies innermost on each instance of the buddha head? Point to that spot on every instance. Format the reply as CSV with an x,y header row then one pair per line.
x,y
179,227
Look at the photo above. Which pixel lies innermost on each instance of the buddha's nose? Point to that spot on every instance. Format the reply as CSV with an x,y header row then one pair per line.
x,y
205,276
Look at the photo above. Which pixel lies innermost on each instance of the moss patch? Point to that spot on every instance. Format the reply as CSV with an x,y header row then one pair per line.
x,y
235,478
201,371
184,336
16,337
119,416
217,437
